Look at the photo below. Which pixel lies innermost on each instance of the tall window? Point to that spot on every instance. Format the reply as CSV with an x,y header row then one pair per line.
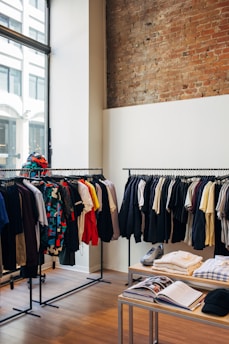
x,y
36,138
10,80
7,141
36,87
10,22
39,4
37,35
24,51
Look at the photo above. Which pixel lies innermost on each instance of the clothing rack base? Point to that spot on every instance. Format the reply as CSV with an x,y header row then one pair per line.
x,y
92,281
20,311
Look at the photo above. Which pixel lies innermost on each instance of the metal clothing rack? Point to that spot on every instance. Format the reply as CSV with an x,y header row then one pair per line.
x,y
61,172
6,174
173,172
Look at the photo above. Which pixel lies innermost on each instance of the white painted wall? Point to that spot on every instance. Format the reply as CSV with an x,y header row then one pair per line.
x,y
180,134
69,93
77,93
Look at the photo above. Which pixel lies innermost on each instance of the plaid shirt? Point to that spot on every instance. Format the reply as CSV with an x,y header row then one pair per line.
x,y
214,268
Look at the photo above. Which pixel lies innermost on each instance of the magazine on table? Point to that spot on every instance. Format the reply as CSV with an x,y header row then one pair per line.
x,y
148,288
162,289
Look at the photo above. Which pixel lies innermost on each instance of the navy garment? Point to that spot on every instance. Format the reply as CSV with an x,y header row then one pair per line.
x,y
13,227
130,217
134,220
164,217
220,248
123,213
104,221
3,213
180,214
199,221
150,233
30,218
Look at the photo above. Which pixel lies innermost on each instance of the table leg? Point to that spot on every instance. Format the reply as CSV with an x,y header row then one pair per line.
x,y
155,328
130,324
130,278
151,327
120,322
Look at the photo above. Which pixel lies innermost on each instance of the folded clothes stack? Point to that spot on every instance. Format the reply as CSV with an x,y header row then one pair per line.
x,y
214,268
181,262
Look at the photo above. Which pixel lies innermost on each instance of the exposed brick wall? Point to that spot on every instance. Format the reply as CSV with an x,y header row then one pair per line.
x,y
163,50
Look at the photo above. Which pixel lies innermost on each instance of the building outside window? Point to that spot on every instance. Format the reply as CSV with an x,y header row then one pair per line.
x,y
24,51
36,87
36,137
10,80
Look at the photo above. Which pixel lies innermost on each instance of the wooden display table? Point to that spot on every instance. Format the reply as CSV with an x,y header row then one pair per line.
x,y
148,271
154,309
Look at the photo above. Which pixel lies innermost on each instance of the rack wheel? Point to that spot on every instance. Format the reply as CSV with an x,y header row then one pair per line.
x,y
43,277
11,283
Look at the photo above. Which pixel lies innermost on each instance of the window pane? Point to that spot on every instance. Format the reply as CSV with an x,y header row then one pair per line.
x,y
15,81
32,33
4,20
3,78
38,8
32,3
3,133
39,4
37,35
7,143
36,137
15,25
40,89
23,83
10,22
32,86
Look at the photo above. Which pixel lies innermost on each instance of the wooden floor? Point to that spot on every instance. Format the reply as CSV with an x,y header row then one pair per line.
x,y
88,315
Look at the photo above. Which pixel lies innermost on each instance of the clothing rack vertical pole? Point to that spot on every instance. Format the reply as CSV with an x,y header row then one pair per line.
x,y
129,260
100,279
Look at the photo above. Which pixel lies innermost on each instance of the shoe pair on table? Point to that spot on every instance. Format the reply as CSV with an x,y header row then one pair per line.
x,y
154,253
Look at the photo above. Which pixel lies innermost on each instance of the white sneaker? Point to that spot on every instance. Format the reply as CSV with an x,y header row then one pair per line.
x,y
152,254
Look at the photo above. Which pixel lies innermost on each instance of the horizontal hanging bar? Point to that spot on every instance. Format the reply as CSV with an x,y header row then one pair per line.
x,y
176,169
49,169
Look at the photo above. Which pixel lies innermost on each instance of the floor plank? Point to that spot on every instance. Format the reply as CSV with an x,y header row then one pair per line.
x,y
88,315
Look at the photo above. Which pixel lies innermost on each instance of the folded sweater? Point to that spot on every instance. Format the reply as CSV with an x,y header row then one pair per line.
x,y
178,262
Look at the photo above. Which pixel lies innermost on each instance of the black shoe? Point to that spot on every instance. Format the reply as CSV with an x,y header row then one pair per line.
x,y
152,254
